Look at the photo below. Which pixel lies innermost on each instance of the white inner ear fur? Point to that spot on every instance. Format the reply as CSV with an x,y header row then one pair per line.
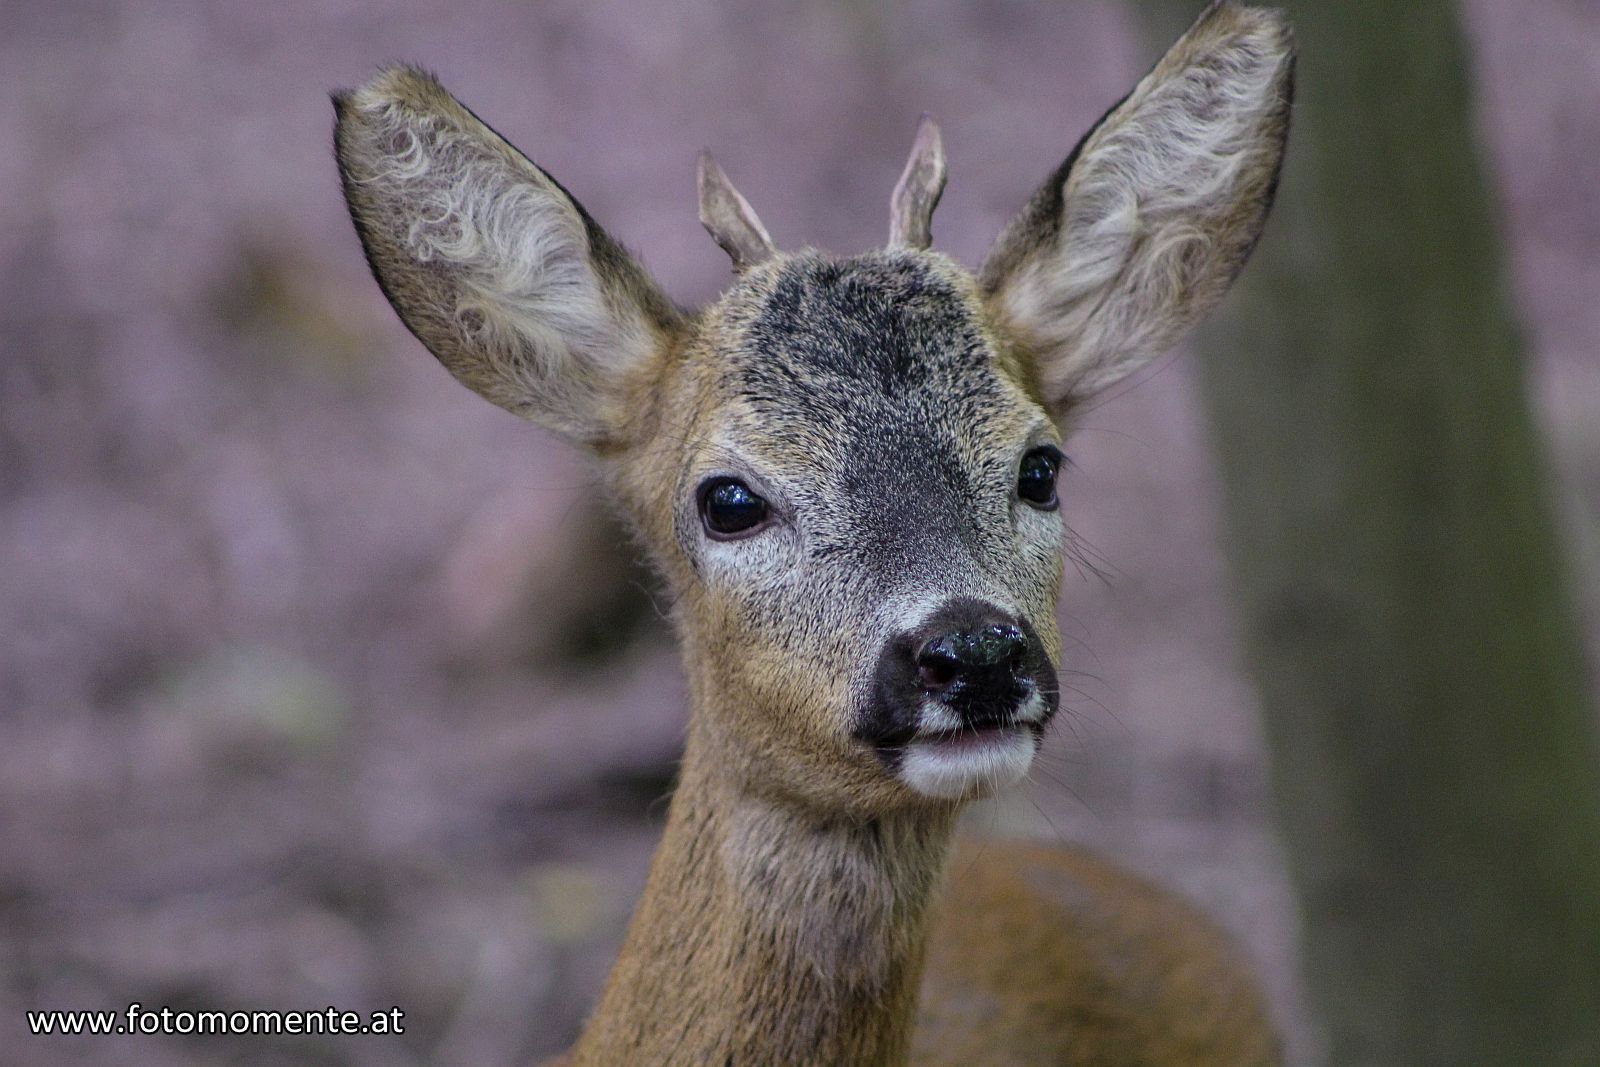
x,y
512,265
1159,210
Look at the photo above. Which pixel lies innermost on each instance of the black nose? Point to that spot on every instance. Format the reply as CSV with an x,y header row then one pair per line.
x,y
977,662
982,660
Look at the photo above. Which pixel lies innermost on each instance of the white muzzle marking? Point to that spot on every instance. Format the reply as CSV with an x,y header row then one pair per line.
x,y
945,767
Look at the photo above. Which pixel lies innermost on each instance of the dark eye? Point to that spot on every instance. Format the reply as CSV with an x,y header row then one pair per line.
x,y
730,509
1036,479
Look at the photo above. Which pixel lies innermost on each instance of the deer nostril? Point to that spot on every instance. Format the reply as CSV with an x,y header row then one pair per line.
x,y
939,662
944,659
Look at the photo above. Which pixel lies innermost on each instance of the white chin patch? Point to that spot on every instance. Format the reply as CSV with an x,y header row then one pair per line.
x,y
969,766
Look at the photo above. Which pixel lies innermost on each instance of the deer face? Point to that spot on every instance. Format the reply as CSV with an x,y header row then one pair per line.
x,y
865,535
845,468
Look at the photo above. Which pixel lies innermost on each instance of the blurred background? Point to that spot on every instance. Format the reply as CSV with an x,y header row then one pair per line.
x,y
324,682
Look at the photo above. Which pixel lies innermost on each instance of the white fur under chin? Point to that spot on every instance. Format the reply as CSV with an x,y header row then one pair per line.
x,y
955,771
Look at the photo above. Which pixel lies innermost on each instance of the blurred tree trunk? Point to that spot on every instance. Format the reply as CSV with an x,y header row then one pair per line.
x,y
1401,588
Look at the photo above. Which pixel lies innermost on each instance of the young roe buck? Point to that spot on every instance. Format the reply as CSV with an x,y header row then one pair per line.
x,y
845,471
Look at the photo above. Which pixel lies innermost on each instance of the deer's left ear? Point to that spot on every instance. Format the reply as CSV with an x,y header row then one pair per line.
x,y
1145,226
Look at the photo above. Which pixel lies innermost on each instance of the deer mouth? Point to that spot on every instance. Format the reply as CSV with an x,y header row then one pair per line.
x,y
969,763
950,757
975,737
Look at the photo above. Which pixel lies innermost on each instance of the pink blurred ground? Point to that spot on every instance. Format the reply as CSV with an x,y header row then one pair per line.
x,y
290,707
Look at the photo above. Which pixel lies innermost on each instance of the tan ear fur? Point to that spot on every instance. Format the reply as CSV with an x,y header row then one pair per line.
x,y
1145,226
491,263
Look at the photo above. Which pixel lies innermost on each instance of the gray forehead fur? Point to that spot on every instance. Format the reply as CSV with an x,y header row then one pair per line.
x,y
876,369
885,322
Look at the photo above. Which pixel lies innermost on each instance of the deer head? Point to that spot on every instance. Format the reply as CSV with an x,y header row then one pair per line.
x,y
844,468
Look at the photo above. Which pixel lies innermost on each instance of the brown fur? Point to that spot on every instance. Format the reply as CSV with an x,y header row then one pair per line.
x,y
882,405
1153,981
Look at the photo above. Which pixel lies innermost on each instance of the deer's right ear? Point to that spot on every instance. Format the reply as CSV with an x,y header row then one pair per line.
x,y
1145,226
492,264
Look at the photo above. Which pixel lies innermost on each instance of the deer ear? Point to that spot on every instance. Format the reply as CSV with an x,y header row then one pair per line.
x,y
492,264
1145,226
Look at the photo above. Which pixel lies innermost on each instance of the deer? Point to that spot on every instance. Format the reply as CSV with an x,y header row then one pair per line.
x,y
845,471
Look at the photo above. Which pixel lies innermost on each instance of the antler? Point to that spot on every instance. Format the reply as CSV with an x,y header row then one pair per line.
x,y
730,219
917,192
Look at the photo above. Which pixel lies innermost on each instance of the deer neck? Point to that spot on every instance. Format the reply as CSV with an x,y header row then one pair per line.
x,y
771,933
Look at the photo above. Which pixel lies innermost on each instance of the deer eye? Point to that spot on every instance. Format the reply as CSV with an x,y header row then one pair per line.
x,y
730,509
1036,479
